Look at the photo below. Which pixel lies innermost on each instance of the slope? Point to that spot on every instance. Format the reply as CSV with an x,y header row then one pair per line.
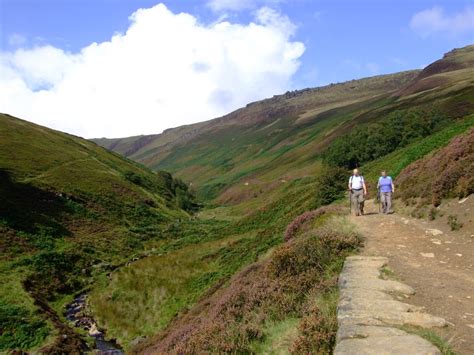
x,y
246,152
70,211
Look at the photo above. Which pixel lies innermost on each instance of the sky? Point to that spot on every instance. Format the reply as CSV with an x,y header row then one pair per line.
x,y
116,68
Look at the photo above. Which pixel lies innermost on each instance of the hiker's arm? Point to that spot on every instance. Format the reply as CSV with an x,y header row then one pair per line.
x,y
393,187
365,187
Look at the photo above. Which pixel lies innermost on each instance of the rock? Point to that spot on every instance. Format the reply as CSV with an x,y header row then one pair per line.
x,y
93,331
433,232
394,345
463,200
137,341
367,314
359,331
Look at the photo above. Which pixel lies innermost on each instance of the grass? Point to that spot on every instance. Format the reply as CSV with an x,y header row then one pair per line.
x,y
318,328
259,306
73,213
431,336
454,223
279,337
388,274
142,298
395,162
67,205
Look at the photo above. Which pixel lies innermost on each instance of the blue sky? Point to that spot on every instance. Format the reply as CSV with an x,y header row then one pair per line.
x,y
342,40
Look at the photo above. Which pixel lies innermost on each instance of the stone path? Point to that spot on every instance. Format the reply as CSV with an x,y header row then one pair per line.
x,y
368,314
437,262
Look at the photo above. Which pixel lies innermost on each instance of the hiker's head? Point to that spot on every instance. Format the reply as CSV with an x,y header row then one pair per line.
x,y
356,172
384,173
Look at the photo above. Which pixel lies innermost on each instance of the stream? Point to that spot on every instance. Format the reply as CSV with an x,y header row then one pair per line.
x,y
76,313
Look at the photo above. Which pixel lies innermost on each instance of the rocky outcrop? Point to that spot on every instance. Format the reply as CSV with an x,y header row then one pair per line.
x,y
368,314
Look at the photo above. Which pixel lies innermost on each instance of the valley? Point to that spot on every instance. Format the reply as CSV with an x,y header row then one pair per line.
x,y
226,235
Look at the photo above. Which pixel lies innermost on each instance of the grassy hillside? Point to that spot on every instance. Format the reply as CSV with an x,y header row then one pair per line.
x,y
262,306
448,172
250,150
70,211
258,168
75,215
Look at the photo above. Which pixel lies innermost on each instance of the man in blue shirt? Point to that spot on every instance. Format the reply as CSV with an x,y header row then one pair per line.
x,y
386,187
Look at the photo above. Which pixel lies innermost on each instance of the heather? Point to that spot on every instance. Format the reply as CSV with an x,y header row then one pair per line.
x,y
70,212
238,249
235,318
446,173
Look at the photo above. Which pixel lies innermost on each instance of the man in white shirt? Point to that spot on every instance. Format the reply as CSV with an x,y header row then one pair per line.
x,y
358,191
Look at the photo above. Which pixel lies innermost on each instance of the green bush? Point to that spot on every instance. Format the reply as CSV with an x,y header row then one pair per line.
x,y
454,223
372,141
19,329
331,185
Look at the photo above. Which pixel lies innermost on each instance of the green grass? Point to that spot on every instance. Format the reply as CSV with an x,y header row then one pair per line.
x,y
72,212
67,205
279,337
431,336
395,162
142,298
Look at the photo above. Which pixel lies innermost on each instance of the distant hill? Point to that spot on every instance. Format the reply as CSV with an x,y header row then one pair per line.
x,y
69,209
283,137
74,215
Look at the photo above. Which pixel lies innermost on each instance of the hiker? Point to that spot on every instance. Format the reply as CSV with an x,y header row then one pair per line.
x,y
358,191
386,189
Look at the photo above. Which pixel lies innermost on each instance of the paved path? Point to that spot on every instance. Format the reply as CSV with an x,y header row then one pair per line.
x,y
368,315
437,262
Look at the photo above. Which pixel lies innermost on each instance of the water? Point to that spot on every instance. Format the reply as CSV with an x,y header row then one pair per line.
x,y
76,313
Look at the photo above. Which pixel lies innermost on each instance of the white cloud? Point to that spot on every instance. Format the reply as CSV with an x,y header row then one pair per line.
x,y
166,70
435,20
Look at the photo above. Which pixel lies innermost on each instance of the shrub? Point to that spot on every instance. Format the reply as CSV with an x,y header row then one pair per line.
x,y
331,185
19,329
371,141
433,213
454,223
449,172
56,272
134,178
317,330
296,225
233,317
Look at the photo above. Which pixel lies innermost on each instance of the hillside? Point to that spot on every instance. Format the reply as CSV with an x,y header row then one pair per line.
x,y
162,275
447,173
247,152
259,168
70,211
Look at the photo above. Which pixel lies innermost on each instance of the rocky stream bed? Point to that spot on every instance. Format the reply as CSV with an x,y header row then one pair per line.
x,y
77,314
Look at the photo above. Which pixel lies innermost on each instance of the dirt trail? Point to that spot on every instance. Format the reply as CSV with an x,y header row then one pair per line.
x,y
436,262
